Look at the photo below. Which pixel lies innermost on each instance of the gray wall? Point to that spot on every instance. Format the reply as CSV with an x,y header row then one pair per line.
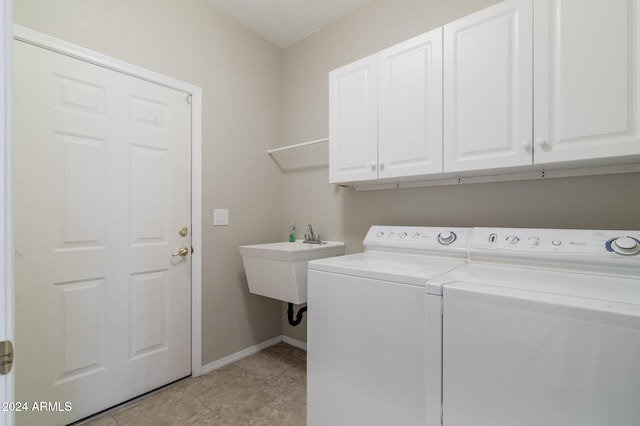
x,y
240,74
345,215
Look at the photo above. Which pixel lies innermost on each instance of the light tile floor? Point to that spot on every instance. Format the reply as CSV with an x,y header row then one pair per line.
x,y
268,388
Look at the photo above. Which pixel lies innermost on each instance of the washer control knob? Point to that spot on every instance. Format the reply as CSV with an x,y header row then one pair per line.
x,y
403,235
625,245
391,235
380,234
446,238
512,239
534,241
415,235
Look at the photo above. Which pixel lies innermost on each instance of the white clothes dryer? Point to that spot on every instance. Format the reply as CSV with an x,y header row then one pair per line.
x,y
366,330
541,327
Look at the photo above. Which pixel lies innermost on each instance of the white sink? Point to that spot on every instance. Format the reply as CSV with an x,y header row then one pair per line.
x,y
279,270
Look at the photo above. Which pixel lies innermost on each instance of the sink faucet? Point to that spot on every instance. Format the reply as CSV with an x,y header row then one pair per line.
x,y
310,237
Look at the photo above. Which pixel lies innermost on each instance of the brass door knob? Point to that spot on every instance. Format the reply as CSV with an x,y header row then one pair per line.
x,y
183,251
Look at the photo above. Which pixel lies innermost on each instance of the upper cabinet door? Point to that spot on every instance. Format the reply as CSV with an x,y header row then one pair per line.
x,y
353,121
587,76
488,94
410,107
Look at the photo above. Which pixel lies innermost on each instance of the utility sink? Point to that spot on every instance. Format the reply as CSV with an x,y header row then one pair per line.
x,y
279,270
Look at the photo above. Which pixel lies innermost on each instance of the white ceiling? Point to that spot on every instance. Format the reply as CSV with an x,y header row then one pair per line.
x,y
285,22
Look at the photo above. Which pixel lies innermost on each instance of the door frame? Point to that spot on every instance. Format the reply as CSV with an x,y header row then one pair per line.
x,y
6,229
35,38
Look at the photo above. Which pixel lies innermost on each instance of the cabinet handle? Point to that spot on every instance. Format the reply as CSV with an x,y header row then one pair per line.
x,y
381,166
373,166
526,144
543,142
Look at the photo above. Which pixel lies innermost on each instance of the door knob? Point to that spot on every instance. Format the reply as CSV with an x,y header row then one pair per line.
x,y
183,251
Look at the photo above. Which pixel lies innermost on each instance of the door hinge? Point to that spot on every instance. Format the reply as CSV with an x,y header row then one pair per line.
x,y
188,99
6,357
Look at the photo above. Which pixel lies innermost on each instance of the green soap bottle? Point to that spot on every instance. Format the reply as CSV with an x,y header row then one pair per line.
x,y
292,233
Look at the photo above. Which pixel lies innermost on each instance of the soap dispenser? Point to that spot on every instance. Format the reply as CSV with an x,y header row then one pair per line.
x,y
292,233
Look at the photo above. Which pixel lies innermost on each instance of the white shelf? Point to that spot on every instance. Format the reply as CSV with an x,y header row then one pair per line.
x,y
298,145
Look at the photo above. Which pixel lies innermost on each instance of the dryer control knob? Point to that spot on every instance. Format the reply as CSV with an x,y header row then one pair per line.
x,y
446,238
625,245
512,239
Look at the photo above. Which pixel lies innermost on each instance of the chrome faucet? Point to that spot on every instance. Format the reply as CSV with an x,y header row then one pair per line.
x,y
310,237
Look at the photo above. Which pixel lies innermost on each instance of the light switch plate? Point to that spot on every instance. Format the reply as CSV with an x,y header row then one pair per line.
x,y
220,217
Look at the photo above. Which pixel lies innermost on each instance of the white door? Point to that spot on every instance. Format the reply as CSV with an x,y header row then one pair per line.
x,y
488,88
410,107
353,121
587,79
101,188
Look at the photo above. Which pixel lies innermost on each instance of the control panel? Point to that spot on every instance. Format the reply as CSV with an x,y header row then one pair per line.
x,y
558,240
418,239
558,248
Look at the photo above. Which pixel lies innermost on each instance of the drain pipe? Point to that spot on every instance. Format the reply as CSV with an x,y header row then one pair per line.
x,y
298,319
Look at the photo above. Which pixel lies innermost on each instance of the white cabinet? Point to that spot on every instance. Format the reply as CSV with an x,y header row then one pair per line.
x,y
580,103
586,79
353,121
522,85
488,88
386,113
410,107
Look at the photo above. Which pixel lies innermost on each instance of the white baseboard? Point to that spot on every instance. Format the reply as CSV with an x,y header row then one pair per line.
x,y
252,350
294,342
239,355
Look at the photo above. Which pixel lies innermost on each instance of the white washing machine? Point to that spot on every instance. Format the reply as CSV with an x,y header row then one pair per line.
x,y
541,327
366,330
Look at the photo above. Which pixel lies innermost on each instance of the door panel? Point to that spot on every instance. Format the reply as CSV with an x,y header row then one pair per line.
x,y
488,95
148,313
83,304
410,107
586,79
353,121
102,185
81,171
148,169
